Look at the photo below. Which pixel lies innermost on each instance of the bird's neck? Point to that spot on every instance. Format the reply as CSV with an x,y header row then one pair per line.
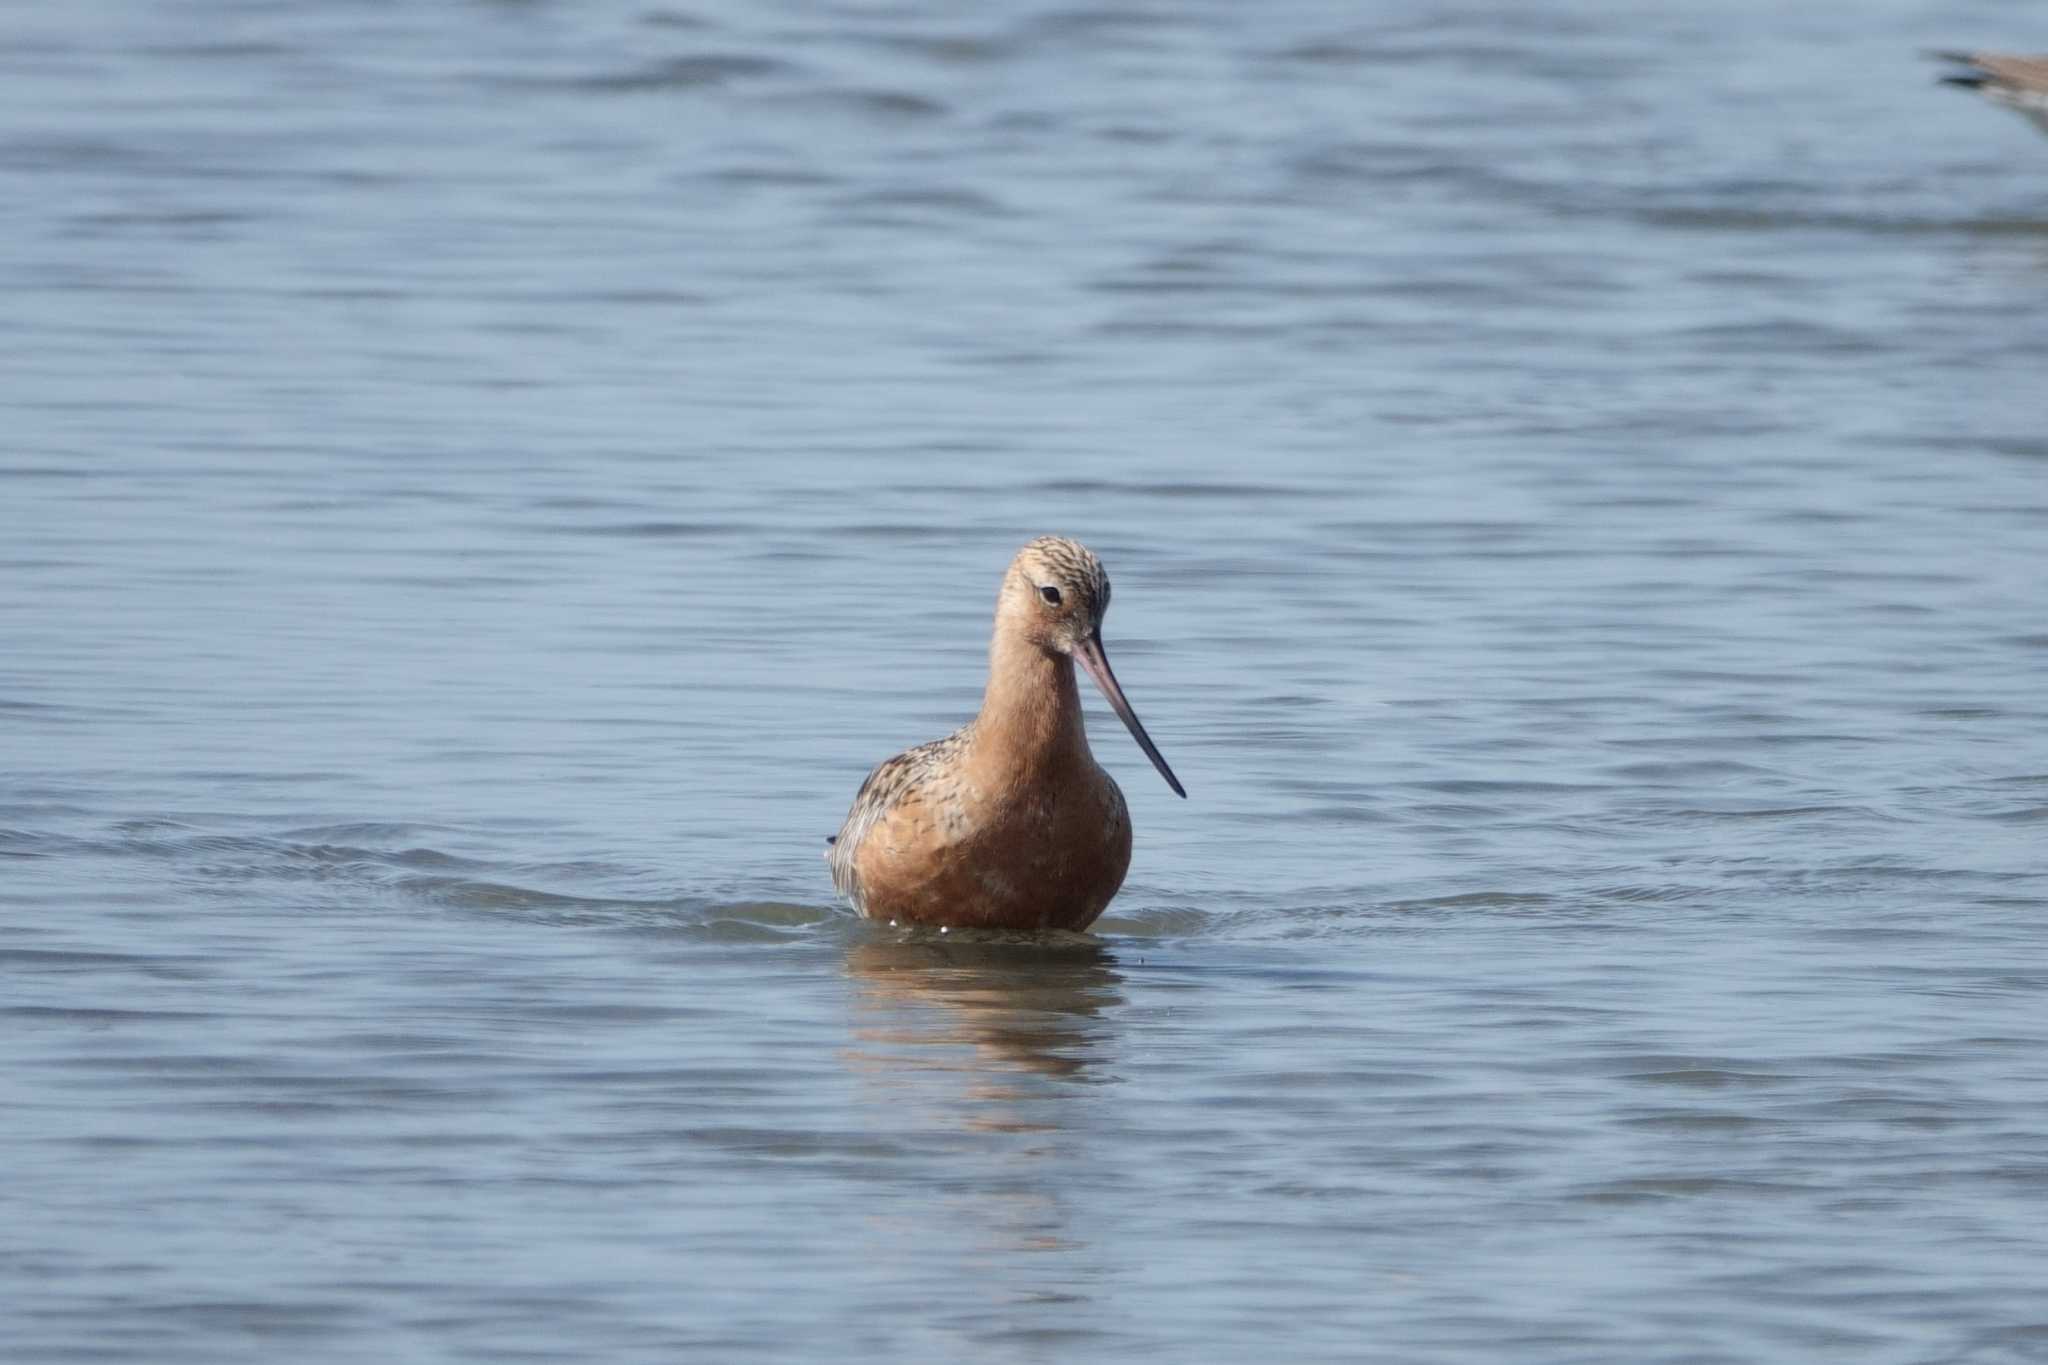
x,y
1031,714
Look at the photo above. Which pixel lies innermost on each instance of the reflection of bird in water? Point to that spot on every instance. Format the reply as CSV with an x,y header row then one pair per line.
x,y
1024,1006
992,1052
2019,83
1008,822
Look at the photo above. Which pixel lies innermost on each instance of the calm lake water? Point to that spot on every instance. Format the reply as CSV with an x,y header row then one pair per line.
x,y
483,482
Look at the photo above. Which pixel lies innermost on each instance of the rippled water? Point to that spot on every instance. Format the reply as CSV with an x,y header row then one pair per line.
x,y
484,482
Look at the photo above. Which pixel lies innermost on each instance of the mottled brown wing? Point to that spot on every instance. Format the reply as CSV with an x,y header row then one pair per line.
x,y
880,794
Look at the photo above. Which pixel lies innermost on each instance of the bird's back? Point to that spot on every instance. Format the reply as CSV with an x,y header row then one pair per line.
x,y
2017,81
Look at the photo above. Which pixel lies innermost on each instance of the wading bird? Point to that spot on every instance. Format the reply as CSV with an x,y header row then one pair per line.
x,y
1008,822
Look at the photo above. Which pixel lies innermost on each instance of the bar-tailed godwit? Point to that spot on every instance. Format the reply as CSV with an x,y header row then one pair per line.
x,y
1008,822
2020,83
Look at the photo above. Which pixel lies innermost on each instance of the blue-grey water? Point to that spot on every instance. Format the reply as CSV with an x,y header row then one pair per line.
x,y
481,483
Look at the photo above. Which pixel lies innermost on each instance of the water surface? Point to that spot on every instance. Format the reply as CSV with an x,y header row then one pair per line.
x,y
485,482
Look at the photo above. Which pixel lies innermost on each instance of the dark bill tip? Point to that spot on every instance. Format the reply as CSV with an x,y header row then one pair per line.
x,y
1092,658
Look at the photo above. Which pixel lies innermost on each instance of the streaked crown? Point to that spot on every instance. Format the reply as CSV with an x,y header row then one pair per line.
x,y
1070,568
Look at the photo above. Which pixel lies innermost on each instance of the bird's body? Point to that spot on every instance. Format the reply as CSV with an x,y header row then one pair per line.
x,y
1008,822
2015,81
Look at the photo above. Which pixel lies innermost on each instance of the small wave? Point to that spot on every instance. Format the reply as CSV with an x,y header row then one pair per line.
x,y
684,73
731,922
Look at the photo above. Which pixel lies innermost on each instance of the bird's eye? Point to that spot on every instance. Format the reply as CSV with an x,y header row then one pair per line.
x,y
1050,594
